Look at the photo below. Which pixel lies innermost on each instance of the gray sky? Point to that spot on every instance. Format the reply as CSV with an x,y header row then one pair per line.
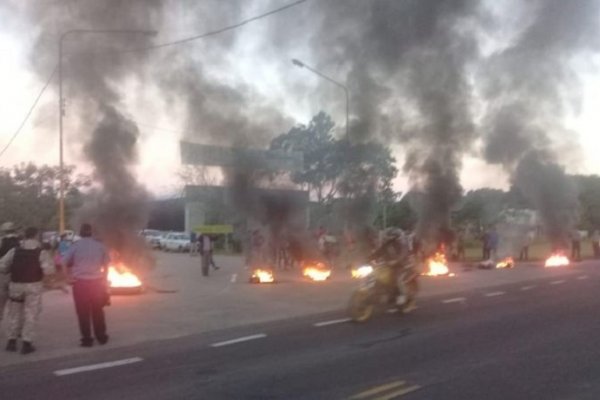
x,y
266,74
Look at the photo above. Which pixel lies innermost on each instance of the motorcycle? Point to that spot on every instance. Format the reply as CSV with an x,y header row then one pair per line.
x,y
378,290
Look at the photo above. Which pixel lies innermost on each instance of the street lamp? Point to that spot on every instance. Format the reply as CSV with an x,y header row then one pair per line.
x,y
300,64
61,199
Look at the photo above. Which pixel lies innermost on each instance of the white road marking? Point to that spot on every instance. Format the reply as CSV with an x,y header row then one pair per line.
x,y
332,322
454,300
528,287
582,277
494,294
233,278
93,367
557,282
239,340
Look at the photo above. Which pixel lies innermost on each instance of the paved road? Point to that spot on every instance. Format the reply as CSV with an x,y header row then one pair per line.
x,y
530,340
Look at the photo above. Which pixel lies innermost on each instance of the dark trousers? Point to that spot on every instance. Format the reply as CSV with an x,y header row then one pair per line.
x,y
524,255
576,250
90,297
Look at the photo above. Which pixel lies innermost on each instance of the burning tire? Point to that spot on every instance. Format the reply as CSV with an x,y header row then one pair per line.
x,y
361,306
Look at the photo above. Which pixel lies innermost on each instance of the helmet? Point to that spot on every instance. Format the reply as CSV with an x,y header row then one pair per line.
x,y
7,226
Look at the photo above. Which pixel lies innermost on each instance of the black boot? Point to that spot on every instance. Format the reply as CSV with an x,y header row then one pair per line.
x,y
27,348
103,339
11,345
87,342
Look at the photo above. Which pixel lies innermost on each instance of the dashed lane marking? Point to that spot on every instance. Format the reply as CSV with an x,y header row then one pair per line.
x,y
557,282
494,294
93,367
239,340
528,287
388,391
331,322
582,277
454,300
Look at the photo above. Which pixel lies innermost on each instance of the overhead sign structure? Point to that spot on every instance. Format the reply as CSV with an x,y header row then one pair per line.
x,y
214,229
276,160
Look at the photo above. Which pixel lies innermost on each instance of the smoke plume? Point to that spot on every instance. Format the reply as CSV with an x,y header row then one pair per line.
x,y
529,86
120,204
95,69
407,65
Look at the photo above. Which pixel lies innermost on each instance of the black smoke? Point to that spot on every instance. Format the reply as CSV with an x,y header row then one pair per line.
x,y
530,86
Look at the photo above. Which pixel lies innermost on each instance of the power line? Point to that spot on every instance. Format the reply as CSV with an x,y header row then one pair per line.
x,y
29,112
217,31
157,46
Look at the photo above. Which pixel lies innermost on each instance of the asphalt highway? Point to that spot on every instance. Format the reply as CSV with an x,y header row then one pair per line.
x,y
531,340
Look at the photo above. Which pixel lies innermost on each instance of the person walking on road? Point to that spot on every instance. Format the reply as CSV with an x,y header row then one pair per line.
x,y
88,260
27,264
10,240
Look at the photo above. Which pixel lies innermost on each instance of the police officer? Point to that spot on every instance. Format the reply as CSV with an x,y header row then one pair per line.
x,y
26,264
9,241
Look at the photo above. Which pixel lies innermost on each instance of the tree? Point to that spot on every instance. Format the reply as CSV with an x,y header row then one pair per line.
x,y
480,207
317,144
29,194
589,199
337,167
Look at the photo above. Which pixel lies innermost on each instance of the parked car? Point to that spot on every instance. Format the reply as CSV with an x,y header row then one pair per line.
x,y
152,237
177,241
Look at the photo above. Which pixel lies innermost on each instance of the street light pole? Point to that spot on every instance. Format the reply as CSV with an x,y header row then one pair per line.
x,y
61,108
300,64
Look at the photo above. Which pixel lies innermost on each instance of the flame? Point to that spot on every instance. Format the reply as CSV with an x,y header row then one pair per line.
x,y
437,265
362,271
507,262
557,260
119,276
262,276
317,272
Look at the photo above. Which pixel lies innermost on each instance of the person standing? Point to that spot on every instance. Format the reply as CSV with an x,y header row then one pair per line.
x,y
10,240
87,260
576,245
596,243
193,243
527,241
26,264
486,245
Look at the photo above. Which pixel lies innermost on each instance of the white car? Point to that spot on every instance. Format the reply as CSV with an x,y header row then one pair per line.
x,y
152,237
176,241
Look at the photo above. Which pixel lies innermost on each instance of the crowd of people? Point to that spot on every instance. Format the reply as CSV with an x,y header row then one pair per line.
x,y
26,264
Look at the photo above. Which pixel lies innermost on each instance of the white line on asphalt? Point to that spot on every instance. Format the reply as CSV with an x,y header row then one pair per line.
x,y
494,294
581,277
239,340
557,282
332,322
454,300
528,287
86,368
233,278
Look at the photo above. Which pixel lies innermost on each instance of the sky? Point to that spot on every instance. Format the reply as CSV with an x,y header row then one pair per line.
x,y
272,78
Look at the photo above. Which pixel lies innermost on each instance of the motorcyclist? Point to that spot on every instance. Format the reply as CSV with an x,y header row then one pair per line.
x,y
395,250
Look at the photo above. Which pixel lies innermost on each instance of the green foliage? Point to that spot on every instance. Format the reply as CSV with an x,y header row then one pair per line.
x,y
336,167
589,199
29,194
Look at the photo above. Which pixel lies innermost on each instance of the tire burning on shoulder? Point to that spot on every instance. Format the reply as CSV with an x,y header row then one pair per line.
x,y
316,271
262,275
557,260
122,280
